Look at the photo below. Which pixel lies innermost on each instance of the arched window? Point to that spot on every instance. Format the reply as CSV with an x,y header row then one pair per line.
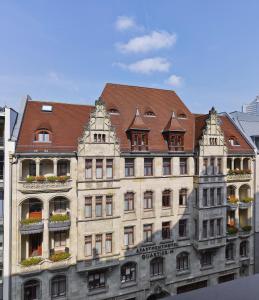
x,y
31,290
243,250
149,113
113,111
128,272
166,198
233,141
183,197
230,251
156,266
148,200
43,136
58,286
182,261
182,116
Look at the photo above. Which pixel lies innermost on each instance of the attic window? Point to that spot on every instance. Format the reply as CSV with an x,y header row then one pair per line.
x,y
149,113
182,116
114,111
42,136
47,108
233,141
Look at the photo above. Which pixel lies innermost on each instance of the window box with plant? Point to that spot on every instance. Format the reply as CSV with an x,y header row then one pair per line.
x,y
59,222
31,261
47,179
232,230
59,256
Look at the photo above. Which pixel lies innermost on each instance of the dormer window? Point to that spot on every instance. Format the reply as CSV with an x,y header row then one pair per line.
x,y
139,140
233,141
182,116
175,141
42,136
113,111
149,113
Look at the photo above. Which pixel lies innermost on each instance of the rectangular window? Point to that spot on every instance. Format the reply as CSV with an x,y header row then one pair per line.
x,y
96,280
205,197
206,259
60,238
212,231
166,166
108,243
98,244
219,196
128,236
183,197
98,206
109,168
148,166
139,141
129,167
166,198
205,229
148,200
129,201
99,169
88,245
88,168
183,166
183,228
205,166
219,162
219,227
108,205
212,199
147,233
212,165
166,230
88,207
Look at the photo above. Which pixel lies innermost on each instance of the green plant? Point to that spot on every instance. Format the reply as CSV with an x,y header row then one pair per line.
x,y
232,199
232,230
247,228
30,221
59,256
59,218
31,261
62,178
52,178
30,178
247,199
40,178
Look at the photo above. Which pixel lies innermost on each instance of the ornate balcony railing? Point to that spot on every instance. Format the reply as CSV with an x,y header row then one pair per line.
x,y
45,186
31,227
239,177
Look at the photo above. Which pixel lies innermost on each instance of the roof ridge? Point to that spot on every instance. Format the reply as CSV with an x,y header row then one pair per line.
x,y
64,103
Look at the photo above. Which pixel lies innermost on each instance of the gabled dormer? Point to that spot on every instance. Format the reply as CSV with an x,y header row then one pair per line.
x,y
138,133
174,134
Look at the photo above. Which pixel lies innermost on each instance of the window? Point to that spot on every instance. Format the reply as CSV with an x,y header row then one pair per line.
x,y
183,166
60,238
183,228
31,290
148,200
204,229
96,280
128,236
88,245
63,168
108,243
166,230
205,197
219,196
149,113
182,116
219,165
129,201
108,205
98,206
129,167
243,249
58,286
128,272
60,205
175,141
99,138
147,233
99,168
212,228
166,166
233,141
42,136
183,197
182,261
166,198
88,169
156,266
148,166
230,252
205,166
212,165
206,259
213,141
113,111
109,168
98,244
32,168
139,140
219,227
88,207
212,199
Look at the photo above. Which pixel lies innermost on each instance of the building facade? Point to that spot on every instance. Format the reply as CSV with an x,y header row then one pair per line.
x,y
8,118
132,198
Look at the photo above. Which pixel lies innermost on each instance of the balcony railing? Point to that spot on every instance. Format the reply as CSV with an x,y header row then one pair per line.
x,y
59,222
95,264
31,226
239,175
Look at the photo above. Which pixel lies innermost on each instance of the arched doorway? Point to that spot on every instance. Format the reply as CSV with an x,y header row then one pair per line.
x,y
158,293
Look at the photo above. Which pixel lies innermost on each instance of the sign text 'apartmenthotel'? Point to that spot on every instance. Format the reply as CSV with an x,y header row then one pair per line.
x,y
156,250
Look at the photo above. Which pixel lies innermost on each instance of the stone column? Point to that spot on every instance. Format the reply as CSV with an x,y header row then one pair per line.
x,y
55,167
37,167
241,163
45,242
232,163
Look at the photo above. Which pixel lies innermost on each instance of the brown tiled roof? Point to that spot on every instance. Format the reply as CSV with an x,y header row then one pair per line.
x,y
138,123
229,130
66,122
173,125
162,102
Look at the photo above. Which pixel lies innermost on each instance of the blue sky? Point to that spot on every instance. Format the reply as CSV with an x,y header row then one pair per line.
x,y
207,51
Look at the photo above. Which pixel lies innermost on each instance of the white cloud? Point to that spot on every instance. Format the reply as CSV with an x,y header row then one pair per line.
x,y
154,41
147,65
125,23
174,81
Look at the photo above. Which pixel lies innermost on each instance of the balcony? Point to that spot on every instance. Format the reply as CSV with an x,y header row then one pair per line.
x,y
59,222
239,175
209,243
31,226
96,264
